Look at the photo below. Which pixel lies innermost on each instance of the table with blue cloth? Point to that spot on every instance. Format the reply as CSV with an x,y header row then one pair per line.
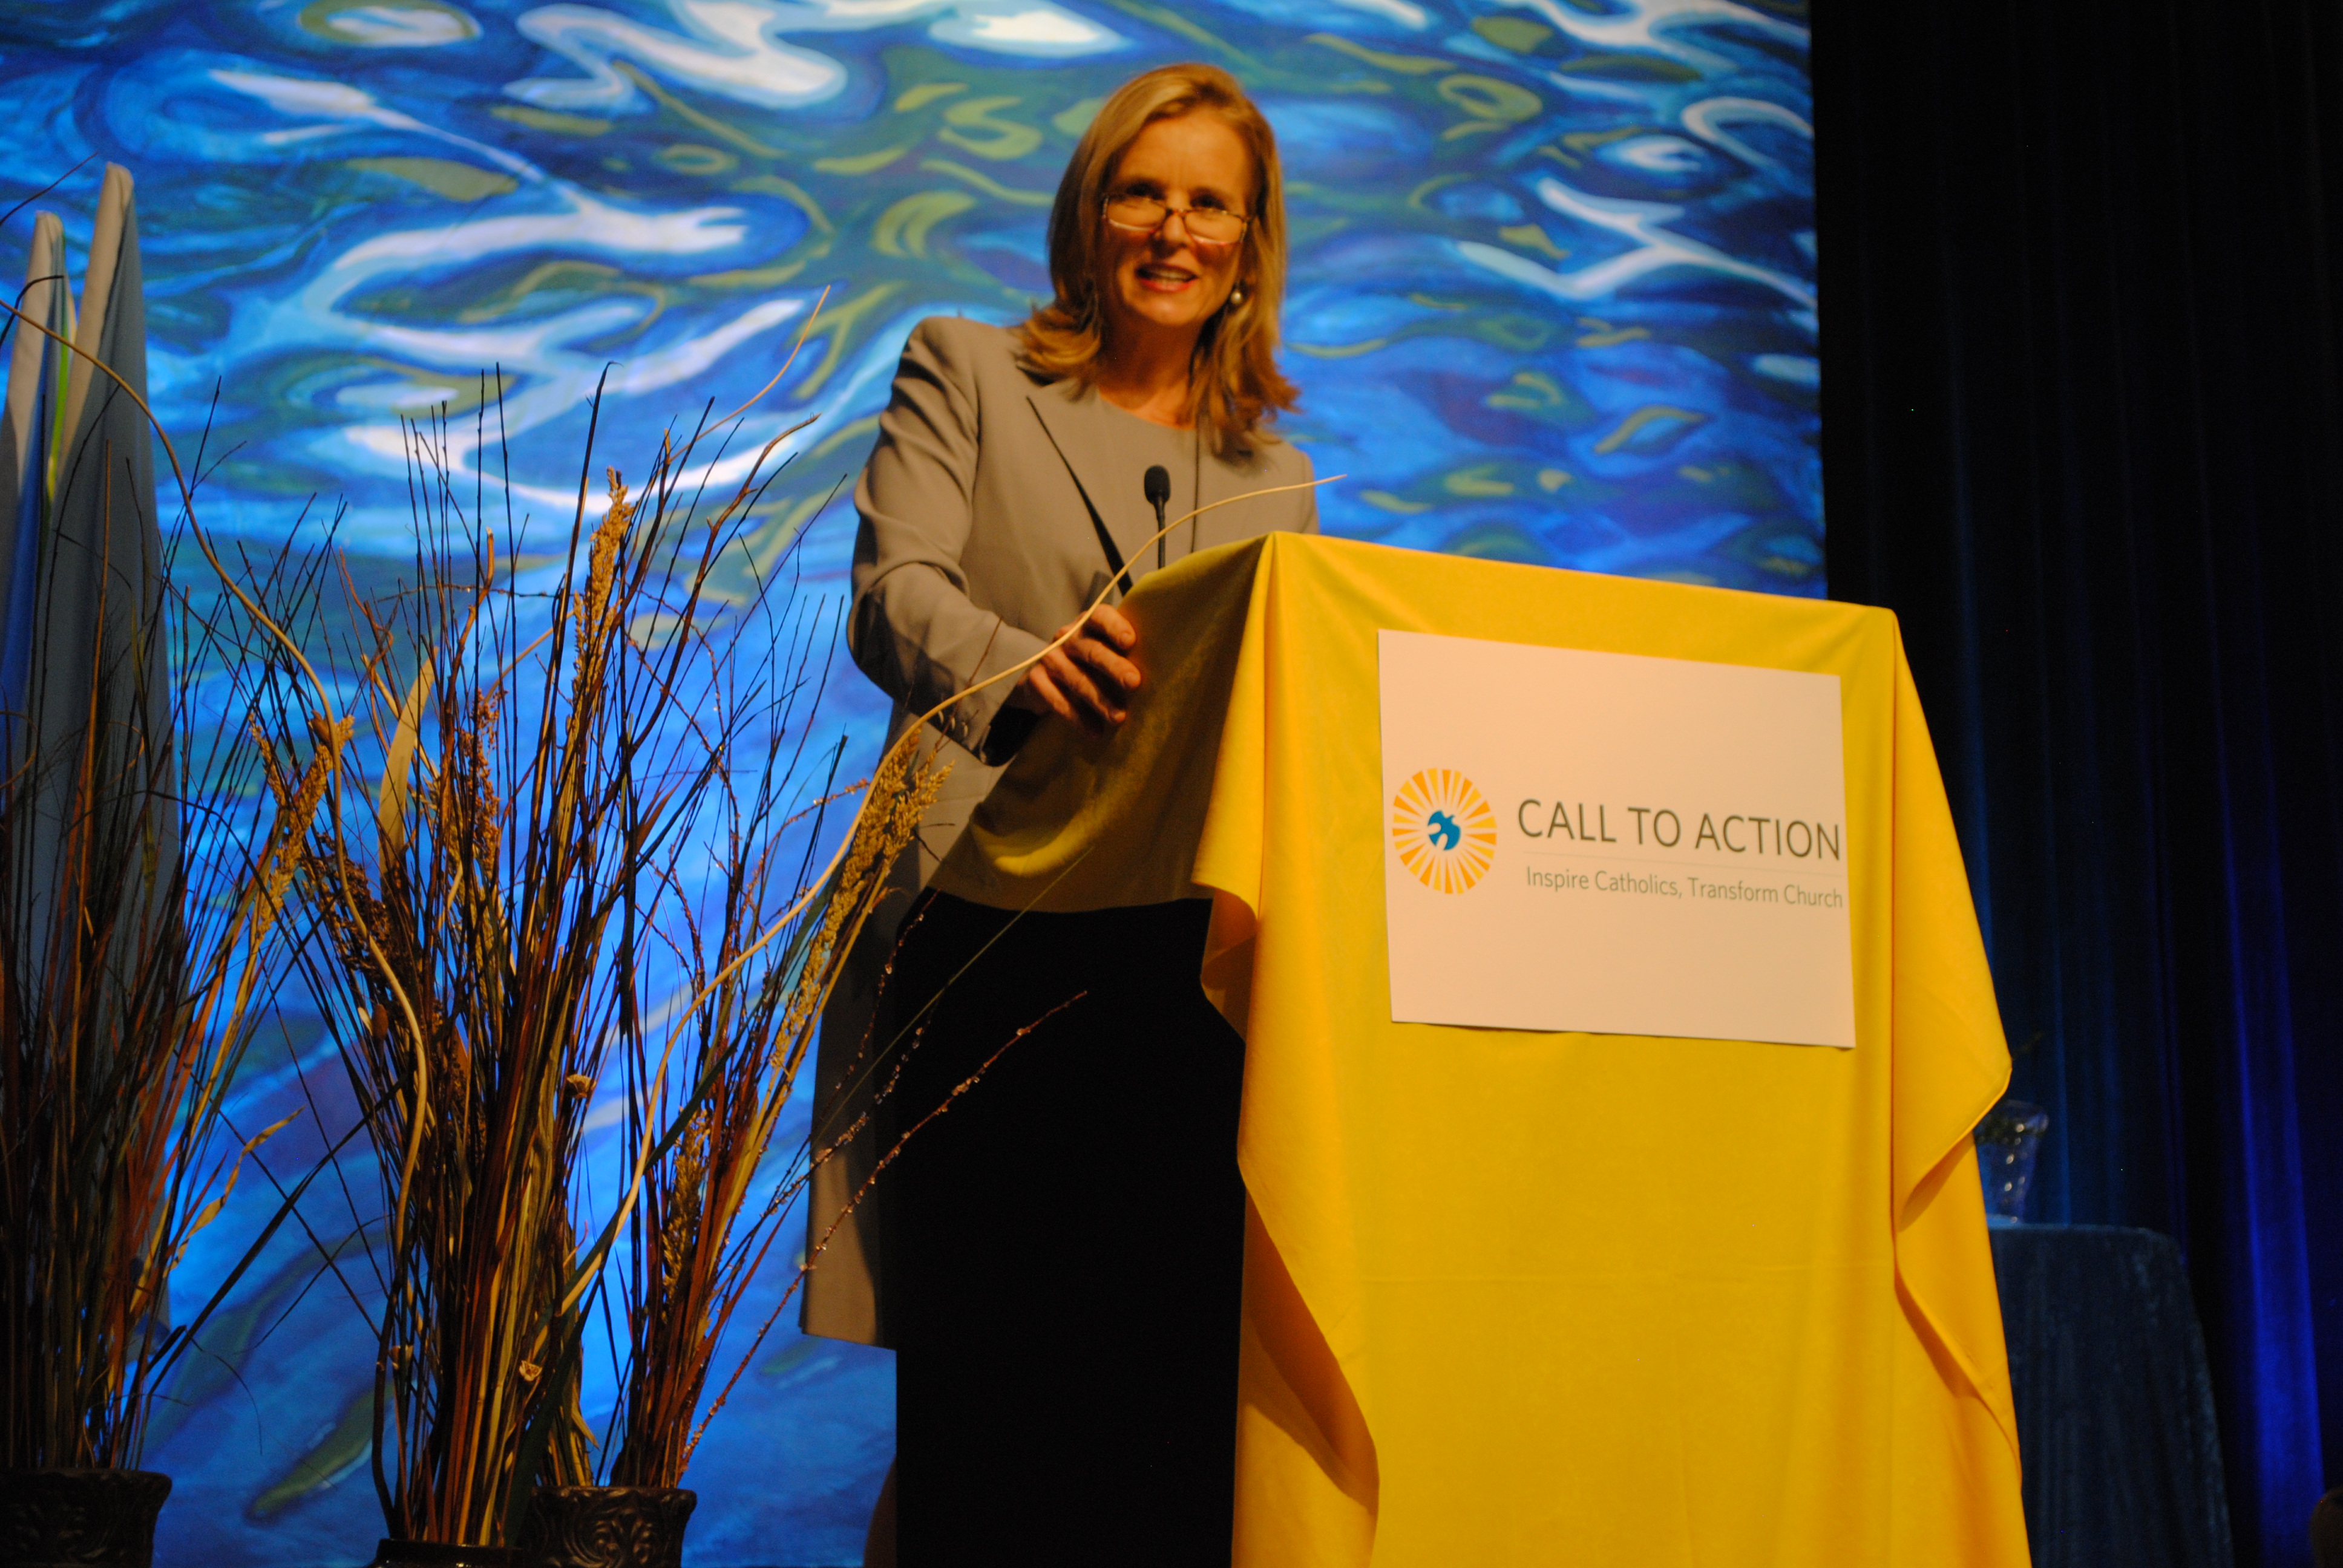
x,y
2115,1404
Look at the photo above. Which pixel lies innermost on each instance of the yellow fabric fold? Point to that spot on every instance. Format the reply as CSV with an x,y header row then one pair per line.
x,y
1521,1298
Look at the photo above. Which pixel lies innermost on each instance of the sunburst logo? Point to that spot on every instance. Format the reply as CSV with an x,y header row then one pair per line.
x,y
1444,830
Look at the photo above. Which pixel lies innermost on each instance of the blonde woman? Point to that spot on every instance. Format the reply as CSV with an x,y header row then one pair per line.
x,y
1062,1252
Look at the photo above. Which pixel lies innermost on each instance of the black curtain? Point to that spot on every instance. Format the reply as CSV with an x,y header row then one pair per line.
x,y
2083,431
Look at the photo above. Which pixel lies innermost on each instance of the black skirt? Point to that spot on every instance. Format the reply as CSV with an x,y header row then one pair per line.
x,y
1071,1238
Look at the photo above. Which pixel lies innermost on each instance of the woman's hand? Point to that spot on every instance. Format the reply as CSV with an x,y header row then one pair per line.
x,y
1089,681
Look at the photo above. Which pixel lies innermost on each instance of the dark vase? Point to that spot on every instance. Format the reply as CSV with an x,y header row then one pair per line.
x,y
79,1518
389,1554
605,1527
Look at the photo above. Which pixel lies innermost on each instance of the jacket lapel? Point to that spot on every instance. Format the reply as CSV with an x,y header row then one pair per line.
x,y
1077,427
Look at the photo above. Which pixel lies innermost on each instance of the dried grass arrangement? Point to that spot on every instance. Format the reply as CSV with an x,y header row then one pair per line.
x,y
139,869
590,839
703,1228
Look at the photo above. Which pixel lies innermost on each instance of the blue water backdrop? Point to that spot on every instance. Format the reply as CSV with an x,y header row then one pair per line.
x,y
1552,300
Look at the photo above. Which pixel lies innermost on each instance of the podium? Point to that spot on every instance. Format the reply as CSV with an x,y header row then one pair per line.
x,y
1524,1297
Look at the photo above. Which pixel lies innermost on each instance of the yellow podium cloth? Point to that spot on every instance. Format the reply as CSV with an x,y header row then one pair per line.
x,y
1524,1298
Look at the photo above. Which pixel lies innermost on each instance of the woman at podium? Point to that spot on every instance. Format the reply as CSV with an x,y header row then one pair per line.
x,y
1057,1262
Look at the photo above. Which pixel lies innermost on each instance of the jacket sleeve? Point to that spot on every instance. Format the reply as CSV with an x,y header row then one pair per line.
x,y
914,630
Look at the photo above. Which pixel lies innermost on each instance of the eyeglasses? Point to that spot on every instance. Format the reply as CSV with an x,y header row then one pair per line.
x,y
1146,214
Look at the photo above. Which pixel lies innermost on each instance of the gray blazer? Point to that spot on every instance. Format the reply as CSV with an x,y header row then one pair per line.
x,y
986,513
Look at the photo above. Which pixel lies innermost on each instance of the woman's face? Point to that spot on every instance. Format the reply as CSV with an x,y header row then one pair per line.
x,y
1168,281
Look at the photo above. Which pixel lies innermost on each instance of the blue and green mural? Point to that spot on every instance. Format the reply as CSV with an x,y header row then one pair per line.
x,y
1552,300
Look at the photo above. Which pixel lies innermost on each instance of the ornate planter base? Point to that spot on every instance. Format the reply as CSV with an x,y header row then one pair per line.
x,y
79,1518
389,1554
607,1527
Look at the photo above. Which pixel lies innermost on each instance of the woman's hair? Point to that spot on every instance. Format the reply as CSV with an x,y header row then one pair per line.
x,y
1234,380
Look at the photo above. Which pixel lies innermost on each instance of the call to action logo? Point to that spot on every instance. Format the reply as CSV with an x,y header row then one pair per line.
x,y
1444,830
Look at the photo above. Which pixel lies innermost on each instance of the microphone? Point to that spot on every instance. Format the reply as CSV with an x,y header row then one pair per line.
x,y
1159,492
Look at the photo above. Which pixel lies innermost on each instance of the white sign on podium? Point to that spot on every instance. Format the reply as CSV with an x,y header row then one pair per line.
x,y
1607,842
